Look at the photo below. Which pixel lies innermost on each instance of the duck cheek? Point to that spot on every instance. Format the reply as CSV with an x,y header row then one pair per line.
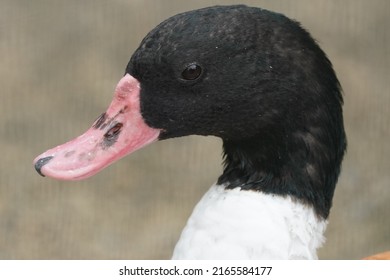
x,y
118,132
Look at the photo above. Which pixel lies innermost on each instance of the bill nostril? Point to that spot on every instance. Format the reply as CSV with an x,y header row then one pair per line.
x,y
114,131
40,163
111,136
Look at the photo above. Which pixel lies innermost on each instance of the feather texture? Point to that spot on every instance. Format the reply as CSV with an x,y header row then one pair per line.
x,y
235,224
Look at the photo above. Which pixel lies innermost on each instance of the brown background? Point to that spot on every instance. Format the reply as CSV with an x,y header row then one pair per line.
x,y
59,64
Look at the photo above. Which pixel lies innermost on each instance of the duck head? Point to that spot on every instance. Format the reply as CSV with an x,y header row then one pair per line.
x,y
252,77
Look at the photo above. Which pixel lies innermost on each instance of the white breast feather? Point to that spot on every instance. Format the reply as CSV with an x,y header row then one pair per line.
x,y
236,224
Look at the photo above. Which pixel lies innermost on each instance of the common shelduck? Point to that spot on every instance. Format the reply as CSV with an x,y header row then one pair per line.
x,y
257,80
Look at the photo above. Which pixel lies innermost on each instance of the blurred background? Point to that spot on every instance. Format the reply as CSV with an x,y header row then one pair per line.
x,y
59,64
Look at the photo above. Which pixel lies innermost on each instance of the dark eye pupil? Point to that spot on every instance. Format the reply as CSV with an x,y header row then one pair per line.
x,y
192,72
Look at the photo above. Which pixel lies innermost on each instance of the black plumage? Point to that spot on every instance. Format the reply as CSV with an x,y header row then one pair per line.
x,y
262,85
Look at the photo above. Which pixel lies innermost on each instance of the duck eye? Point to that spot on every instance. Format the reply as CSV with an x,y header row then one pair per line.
x,y
192,72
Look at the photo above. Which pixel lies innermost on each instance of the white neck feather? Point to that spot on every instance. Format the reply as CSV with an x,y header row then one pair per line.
x,y
235,224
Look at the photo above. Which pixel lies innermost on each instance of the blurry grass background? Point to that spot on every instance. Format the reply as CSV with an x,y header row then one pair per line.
x,y
59,64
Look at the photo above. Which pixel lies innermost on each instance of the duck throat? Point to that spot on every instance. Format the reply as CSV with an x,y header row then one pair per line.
x,y
237,224
283,168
